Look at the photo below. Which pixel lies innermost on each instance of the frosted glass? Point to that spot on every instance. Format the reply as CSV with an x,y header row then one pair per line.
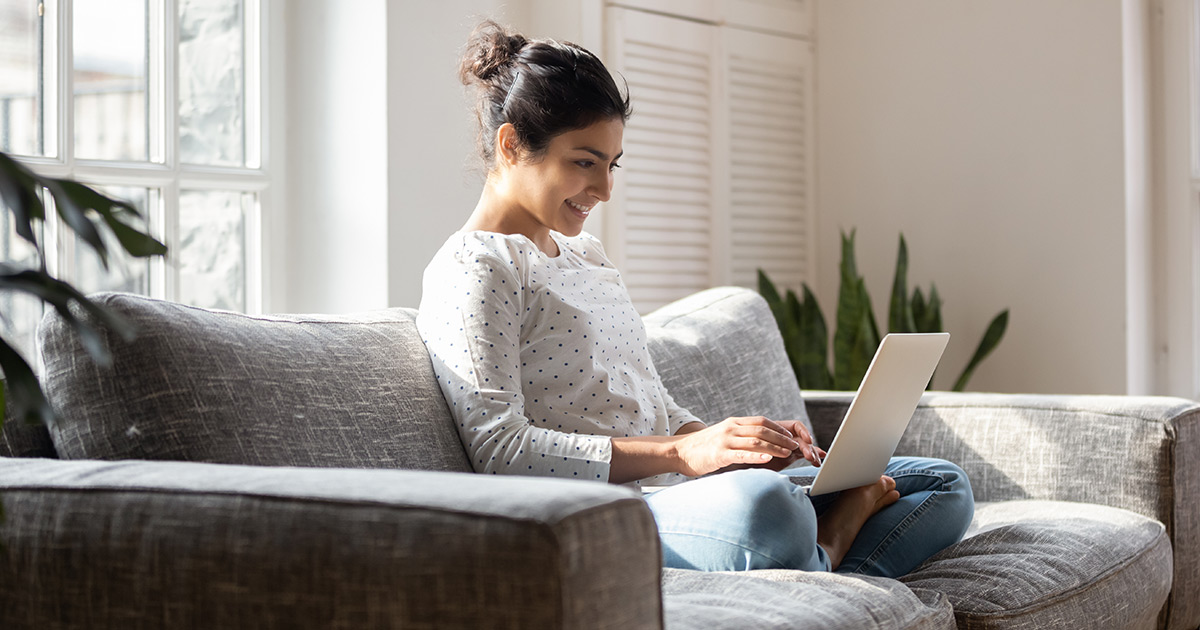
x,y
110,79
21,97
19,313
212,84
125,273
212,249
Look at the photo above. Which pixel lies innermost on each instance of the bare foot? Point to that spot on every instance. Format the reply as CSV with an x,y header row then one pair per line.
x,y
839,525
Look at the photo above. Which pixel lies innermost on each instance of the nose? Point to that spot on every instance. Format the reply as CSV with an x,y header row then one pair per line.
x,y
602,190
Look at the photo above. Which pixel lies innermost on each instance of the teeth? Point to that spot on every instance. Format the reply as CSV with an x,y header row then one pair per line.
x,y
583,209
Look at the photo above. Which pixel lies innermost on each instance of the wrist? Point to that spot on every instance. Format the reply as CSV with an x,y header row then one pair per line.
x,y
675,450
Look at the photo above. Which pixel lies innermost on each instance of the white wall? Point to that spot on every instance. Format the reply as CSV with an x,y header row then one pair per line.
x,y
433,172
335,216
380,156
991,134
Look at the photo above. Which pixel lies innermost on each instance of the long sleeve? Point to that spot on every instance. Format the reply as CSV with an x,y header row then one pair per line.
x,y
471,320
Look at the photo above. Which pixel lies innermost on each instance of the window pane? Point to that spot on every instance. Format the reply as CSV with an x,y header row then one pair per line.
x,y
125,273
212,86
110,79
21,94
212,248
19,313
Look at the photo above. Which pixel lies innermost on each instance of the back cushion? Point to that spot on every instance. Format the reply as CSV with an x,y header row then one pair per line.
x,y
720,354
214,386
21,439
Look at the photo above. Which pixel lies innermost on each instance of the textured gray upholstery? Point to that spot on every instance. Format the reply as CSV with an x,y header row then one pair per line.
x,y
1028,565
721,351
21,439
180,545
798,600
162,544
211,386
1135,453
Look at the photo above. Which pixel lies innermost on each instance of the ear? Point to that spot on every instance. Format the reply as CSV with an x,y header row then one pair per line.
x,y
507,146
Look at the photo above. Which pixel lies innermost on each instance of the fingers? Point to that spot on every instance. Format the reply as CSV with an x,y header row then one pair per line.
x,y
756,440
764,436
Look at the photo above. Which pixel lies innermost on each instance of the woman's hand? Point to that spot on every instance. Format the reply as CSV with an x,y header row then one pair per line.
x,y
751,442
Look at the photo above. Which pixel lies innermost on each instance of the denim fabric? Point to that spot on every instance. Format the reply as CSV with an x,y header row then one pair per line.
x,y
759,519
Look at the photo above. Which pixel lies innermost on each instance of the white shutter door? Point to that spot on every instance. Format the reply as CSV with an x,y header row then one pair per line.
x,y
787,17
660,227
769,94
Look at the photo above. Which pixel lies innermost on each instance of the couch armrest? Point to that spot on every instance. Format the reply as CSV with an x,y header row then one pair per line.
x,y
168,544
1137,453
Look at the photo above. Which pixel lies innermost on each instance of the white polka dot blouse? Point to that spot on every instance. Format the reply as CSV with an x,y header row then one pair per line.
x,y
542,360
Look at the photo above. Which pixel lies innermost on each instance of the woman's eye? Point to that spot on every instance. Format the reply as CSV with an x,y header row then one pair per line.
x,y
585,163
614,166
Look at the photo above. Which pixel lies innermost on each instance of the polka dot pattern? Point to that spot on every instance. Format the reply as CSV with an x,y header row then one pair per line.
x,y
542,360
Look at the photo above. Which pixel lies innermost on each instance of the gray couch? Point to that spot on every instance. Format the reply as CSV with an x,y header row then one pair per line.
x,y
303,471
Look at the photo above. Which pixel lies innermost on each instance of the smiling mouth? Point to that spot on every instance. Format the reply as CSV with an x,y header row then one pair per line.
x,y
584,210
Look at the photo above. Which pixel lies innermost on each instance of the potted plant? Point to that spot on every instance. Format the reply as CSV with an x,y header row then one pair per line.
x,y
806,336
88,213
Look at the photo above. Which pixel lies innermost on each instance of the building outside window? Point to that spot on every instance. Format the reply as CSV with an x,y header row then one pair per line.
x,y
159,103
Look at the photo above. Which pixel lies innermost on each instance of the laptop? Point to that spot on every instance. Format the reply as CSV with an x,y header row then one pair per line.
x,y
880,412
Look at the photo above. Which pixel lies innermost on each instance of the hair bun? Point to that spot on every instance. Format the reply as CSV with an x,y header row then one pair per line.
x,y
490,49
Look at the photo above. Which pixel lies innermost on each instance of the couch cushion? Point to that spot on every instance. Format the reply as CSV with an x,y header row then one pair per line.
x,y
21,439
797,600
1049,564
214,386
720,354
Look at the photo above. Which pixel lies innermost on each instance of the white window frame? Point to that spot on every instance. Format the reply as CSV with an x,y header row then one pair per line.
x,y
1175,254
164,170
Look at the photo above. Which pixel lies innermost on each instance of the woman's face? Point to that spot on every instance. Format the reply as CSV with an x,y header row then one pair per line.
x,y
560,190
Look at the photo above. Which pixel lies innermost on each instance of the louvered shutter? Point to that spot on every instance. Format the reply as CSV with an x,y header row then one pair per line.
x,y
718,166
769,96
660,228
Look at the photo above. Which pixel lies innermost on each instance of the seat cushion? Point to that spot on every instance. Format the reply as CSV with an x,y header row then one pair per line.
x,y
353,391
797,600
720,354
1049,564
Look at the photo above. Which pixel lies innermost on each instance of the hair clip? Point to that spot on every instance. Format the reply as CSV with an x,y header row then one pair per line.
x,y
516,77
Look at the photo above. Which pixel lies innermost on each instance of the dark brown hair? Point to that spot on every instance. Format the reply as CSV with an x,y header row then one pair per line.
x,y
543,87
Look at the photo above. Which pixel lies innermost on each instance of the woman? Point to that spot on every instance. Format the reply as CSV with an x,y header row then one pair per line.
x,y
543,358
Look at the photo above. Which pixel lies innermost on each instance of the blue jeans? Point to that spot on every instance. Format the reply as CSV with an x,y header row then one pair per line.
x,y
759,519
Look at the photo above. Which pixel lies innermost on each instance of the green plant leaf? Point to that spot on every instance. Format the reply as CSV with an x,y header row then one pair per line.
x,y
61,295
991,338
24,392
917,305
767,289
18,191
900,315
866,342
72,207
137,243
790,328
934,309
112,210
814,346
849,316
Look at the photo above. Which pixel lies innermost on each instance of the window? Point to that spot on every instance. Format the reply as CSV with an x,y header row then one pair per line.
x,y
157,102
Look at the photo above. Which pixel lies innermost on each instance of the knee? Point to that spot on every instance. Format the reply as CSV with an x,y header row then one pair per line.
x,y
770,502
956,492
747,519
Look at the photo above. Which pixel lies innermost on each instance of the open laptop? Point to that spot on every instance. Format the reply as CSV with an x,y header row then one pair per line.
x,y
880,412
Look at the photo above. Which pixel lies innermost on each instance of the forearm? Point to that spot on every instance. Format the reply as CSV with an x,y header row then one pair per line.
x,y
639,457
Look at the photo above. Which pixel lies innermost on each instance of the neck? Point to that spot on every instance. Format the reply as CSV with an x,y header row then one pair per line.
x,y
497,211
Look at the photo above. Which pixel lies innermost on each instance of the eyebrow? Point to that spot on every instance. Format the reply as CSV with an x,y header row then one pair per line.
x,y
602,156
